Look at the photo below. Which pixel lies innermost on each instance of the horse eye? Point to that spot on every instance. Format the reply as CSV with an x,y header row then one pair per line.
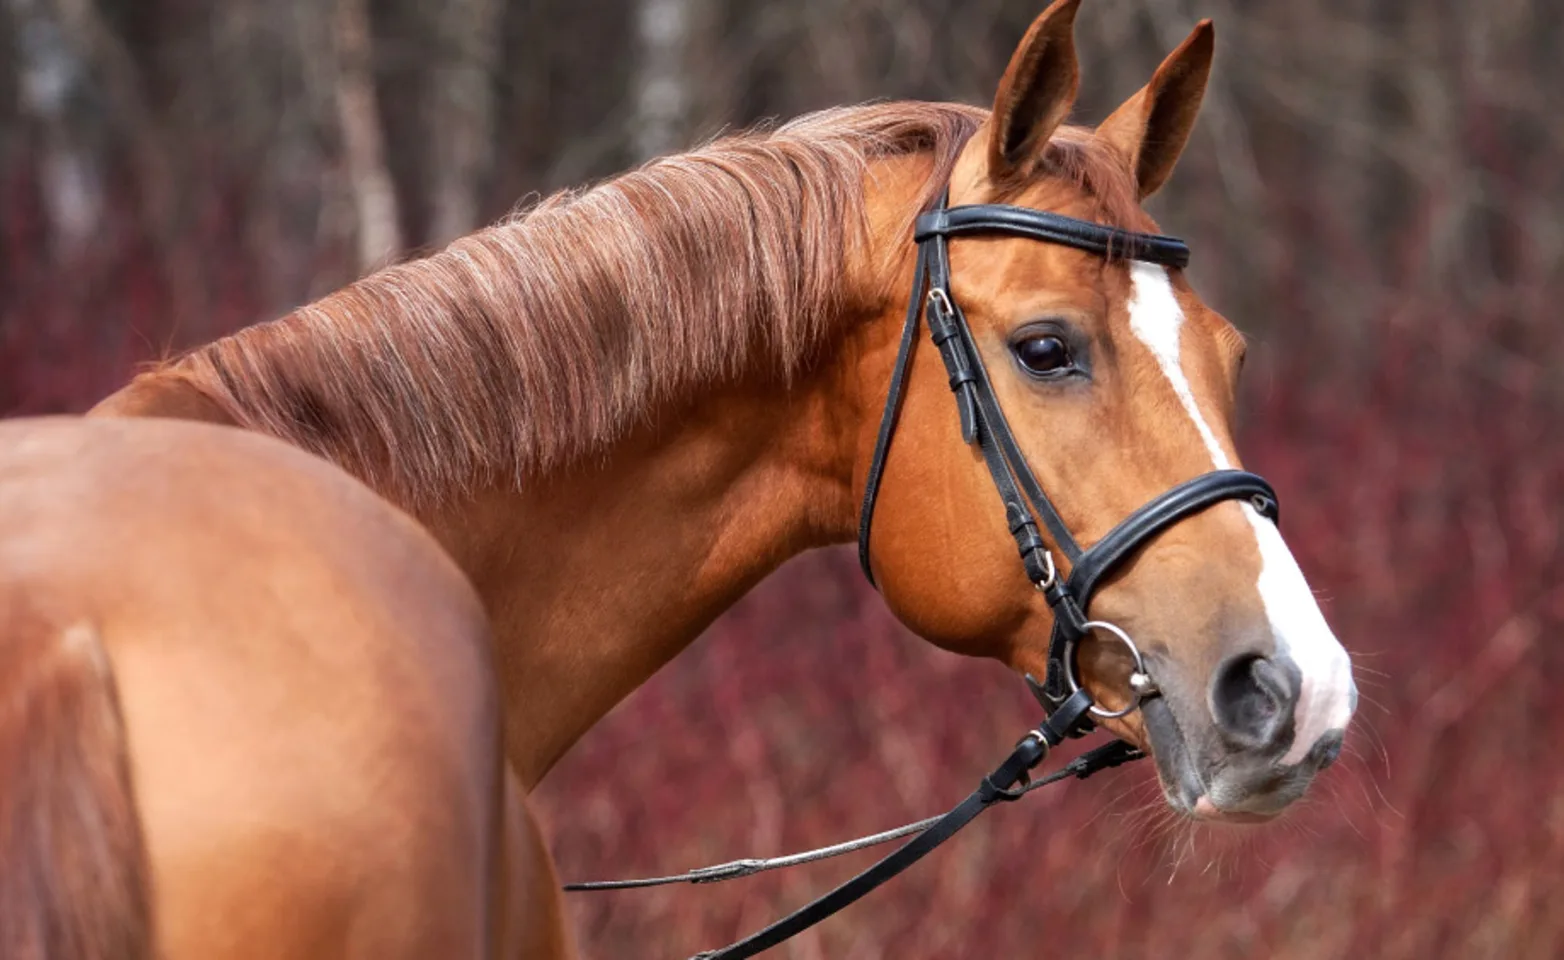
x,y
1043,354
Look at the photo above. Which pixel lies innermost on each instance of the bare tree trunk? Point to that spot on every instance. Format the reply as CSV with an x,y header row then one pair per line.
x,y
461,115
261,81
49,72
156,166
374,195
662,94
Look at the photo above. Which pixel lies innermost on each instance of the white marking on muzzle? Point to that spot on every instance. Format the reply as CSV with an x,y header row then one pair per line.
x,y
1328,695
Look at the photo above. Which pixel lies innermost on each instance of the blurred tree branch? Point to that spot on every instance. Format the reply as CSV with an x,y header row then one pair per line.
x,y
663,86
48,74
461,114
379,231
153,153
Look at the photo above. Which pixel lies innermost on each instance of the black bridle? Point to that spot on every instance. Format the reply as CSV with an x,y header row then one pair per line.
x,y
983,423
1067,706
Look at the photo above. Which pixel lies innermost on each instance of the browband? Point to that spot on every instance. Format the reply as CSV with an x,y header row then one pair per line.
x,y
1104,241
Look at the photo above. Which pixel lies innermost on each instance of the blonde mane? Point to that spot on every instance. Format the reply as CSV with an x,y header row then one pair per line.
x,y
544,338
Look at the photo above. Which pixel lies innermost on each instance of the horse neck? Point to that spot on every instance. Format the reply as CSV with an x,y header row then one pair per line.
x,y
598,576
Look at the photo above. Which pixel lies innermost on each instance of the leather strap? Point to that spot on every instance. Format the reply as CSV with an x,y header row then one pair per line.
x,y
995,788
882,443
968,377
1007,464
1105,241
1135,530
1071,597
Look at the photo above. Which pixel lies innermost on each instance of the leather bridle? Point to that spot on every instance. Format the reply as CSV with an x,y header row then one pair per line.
x,y
983,423
1067,706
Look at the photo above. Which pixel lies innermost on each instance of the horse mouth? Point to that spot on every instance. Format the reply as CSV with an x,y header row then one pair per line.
x,y
1208,812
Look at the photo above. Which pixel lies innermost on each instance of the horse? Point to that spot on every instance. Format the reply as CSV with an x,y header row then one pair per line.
x,y
621,408
247,709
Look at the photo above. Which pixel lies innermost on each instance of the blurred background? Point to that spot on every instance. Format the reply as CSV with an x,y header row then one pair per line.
x,y
1375,195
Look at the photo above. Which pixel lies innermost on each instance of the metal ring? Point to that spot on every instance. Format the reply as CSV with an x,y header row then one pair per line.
x,y
1122,637
1046,584
938,294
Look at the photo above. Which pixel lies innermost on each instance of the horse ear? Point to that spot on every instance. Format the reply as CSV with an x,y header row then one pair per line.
x,y
1151,127
1036,92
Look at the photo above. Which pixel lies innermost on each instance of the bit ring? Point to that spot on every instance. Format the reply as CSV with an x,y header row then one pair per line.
x,y
1141,684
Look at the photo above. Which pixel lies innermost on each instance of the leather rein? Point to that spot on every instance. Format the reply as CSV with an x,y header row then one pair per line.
x,y
1068,708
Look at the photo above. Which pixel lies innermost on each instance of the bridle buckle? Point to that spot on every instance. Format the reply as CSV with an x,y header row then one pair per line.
x,y
1052,577
939,298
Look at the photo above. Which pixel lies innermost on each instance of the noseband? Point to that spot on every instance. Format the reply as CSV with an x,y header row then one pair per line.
x,y
983,423
1068,707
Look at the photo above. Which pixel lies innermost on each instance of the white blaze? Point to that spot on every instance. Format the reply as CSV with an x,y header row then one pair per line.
x,y
1328,695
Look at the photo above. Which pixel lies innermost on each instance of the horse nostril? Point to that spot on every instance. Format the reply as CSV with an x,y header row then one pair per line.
x,y
1251,700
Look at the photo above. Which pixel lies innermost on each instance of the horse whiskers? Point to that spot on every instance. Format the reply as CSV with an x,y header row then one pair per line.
x,y
1368,801
1154,827
1186,840
1337,801
1372,732
1153,816
1107,809
1142,787
1358,668
1365,698
1165,829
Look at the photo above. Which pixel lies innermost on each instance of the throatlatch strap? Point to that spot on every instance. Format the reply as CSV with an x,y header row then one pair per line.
x,y
882,443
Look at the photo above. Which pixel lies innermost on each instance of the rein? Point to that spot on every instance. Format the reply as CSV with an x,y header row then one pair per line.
x,y
1068,708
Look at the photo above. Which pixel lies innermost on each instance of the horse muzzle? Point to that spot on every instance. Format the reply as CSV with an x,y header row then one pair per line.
x,y
1223,760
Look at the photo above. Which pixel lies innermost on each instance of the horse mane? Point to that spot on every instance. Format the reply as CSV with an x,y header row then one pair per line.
x,y
540,340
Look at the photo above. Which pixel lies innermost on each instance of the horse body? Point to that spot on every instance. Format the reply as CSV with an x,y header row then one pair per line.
x,y
621,411
249,709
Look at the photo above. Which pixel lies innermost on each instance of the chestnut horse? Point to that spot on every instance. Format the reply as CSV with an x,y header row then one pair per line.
x,y
623,408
